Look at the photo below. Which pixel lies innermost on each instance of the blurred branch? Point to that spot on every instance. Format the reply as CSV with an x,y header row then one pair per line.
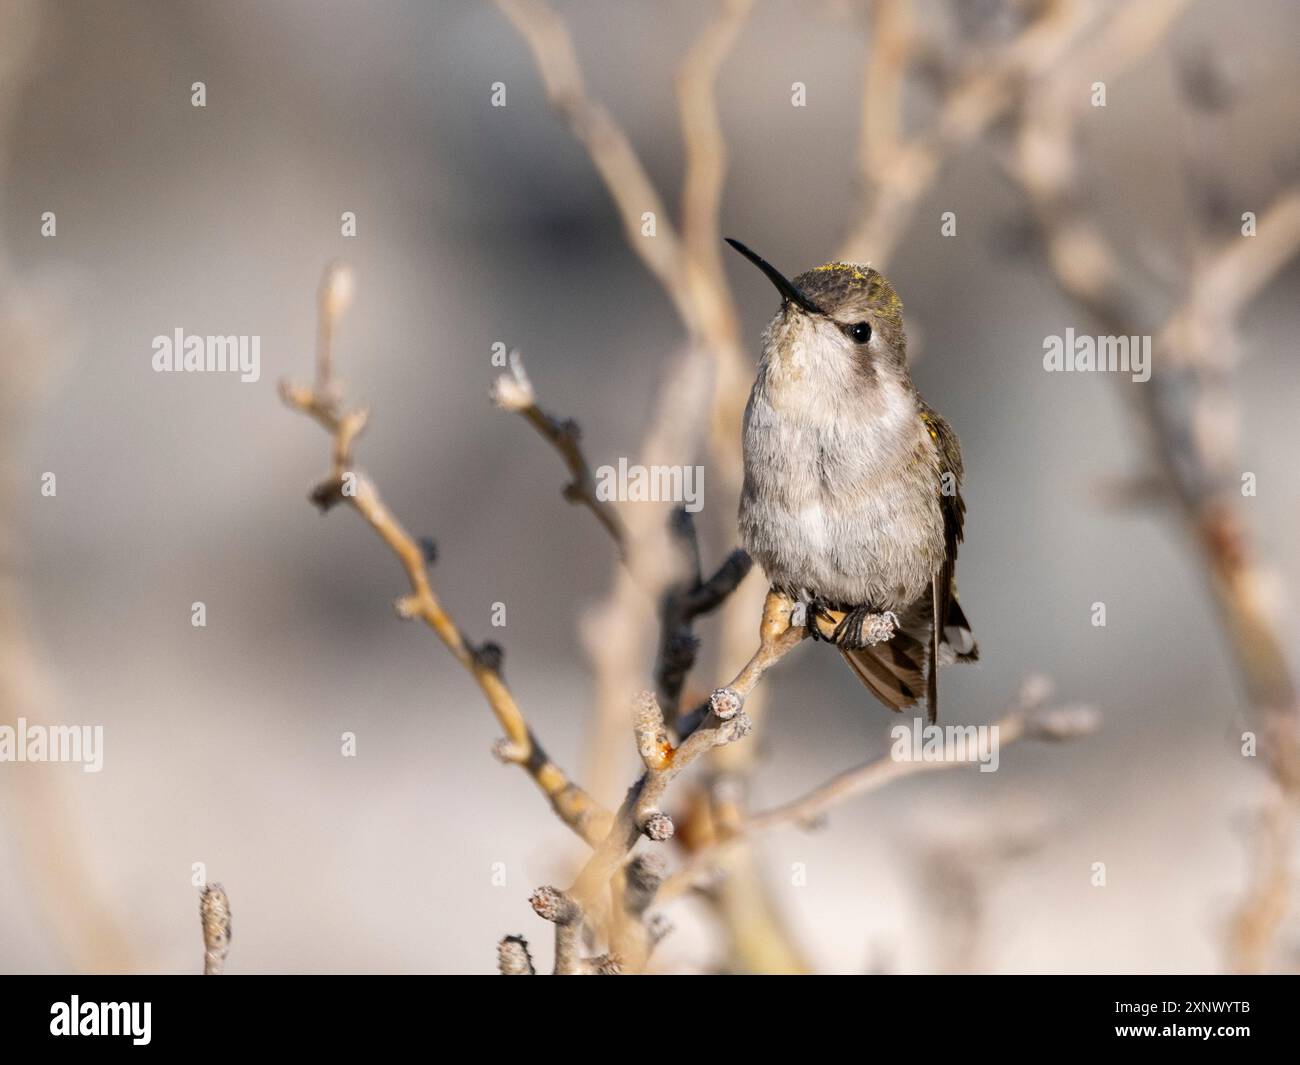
x,y
618,632
555,906
706,168
895,170
685,601
642,811
344,485
610,150
214,914
666,569
956,877
636,931
1262,910
1027,718
513,958
691,273
513,391
573,911
1187,410
52,855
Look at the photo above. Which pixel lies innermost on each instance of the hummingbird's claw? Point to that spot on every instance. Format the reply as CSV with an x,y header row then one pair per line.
x,y
816,611
864,627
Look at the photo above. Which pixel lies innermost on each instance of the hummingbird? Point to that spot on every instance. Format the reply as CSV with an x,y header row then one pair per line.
x,y
851,499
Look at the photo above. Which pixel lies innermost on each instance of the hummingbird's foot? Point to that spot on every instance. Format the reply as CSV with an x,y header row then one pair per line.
x,y
863,627
814,611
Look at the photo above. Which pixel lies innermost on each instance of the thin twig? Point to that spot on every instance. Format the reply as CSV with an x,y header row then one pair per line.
x,y
896,170
513,957
1025,720
513,391
214,914
567,915
1186,411
689,269
725,722
345,485
608,146
685,602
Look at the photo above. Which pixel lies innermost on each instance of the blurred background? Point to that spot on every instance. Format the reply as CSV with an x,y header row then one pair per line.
x,y
479,224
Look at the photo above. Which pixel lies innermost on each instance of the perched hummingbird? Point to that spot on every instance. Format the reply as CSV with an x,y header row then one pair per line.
x,y
852,494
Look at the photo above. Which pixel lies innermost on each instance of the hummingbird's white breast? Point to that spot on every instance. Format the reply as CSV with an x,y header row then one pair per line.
x,y
840,498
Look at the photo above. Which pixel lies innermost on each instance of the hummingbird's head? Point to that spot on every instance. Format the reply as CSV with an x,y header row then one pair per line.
x,y
840,327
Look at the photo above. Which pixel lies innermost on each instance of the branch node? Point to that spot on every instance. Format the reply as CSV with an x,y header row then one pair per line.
x,y
651,734
214,912
733,729
657,826
513,958
605,965
1034,691
726,703
645,873
1065,723
659,927
552,904
513,391
507,752
327,494
488,655
407,606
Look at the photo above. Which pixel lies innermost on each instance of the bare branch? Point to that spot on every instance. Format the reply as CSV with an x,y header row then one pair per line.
x,y
566,914
513,958
706,165
1026,719
617,631
896,171
608,146
778,637
642,811
1187,410
636,932
520,747
214,913
664,568
514,392
683,603
1264,905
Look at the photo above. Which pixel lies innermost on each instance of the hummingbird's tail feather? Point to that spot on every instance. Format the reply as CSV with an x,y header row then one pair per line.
x,y
937,603
958,640
903,671
891,670
948,637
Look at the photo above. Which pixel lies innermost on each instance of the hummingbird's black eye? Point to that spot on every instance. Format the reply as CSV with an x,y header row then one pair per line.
x,y
859,331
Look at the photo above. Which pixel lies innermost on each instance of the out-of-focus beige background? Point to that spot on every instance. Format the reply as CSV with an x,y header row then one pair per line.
x,y
481,224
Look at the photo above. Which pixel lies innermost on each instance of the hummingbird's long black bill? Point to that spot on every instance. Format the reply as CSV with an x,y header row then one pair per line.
x,y
788,291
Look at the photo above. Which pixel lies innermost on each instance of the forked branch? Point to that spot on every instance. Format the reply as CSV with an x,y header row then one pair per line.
x,y
483,662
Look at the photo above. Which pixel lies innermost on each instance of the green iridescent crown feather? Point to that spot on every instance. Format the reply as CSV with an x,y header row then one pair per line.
x,y
836,283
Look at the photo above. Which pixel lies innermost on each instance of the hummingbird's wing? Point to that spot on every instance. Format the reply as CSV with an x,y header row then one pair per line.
x,y
891,669
948,625
934,630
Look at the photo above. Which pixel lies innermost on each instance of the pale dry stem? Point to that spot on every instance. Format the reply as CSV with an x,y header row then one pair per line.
x,y
346,485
